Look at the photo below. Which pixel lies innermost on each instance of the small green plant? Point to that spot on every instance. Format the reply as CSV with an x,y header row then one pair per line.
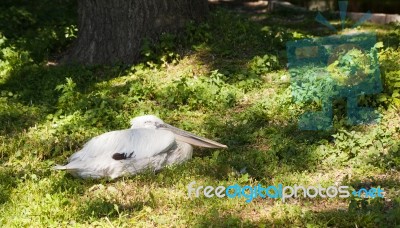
x,y
196,34
199,92
162,53
69,95
265,64
390,65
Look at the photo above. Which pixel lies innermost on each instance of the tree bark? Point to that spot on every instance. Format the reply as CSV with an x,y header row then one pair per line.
x,y
112,31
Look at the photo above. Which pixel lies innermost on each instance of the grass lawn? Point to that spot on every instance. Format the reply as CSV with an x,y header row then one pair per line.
x,y
225,79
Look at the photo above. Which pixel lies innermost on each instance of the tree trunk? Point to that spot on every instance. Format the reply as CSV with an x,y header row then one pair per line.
x,y
112,31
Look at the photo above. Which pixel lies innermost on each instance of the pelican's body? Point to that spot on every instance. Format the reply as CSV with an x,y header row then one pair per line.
x,y
149,143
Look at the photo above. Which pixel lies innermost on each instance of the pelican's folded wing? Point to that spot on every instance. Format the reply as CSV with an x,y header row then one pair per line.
x,y
131,143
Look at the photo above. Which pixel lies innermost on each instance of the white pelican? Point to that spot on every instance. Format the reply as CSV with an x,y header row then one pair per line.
x,y
149,143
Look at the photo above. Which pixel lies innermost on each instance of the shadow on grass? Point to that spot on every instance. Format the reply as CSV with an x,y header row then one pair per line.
x,y
390,160
8,181
15,120
35,94
99,208
372,215
38,28
101,199
261,147
360,212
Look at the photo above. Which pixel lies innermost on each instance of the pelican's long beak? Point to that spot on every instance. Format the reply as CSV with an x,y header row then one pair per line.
x,y
187,137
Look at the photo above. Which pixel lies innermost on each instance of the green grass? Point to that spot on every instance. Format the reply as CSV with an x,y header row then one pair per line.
x,y
225,79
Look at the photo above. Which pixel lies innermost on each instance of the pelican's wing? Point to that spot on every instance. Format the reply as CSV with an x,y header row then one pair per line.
x,y
131,143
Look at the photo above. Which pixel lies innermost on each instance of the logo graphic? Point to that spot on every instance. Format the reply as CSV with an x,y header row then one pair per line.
x,y
280,192
327,68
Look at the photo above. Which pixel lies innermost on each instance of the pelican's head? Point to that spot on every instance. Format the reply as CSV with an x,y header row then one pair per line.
x,y
153,122
147,121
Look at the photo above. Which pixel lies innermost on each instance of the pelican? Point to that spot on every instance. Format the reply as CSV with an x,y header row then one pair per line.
x,y
149,143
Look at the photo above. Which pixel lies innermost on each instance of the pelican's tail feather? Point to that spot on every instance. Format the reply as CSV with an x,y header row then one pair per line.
x,y
60,167
63,167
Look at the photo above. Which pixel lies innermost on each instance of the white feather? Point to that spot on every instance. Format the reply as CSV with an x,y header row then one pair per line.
x,y
142,142
149,143
95,159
